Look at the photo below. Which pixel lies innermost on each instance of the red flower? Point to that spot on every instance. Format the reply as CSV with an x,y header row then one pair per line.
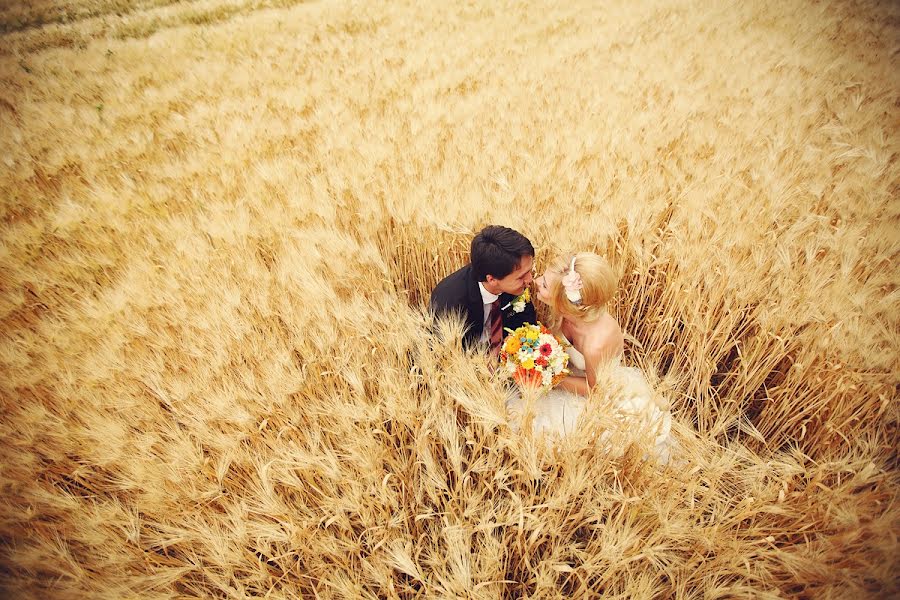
x,y
546,349
542,361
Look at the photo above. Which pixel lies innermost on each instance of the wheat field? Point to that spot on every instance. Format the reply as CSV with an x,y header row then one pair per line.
x,y
221,220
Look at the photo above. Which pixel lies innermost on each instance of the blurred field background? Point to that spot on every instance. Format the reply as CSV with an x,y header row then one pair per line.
x,y
220,222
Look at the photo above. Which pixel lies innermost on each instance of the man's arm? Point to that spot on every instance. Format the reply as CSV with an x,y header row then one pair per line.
x,y
442,302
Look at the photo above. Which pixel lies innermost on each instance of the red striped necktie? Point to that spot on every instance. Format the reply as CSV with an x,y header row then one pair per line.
x,y
496,322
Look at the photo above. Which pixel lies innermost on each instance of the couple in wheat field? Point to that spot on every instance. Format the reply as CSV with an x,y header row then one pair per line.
x,y
492,295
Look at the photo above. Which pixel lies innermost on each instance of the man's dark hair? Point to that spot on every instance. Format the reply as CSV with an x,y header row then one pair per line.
x,y
497,251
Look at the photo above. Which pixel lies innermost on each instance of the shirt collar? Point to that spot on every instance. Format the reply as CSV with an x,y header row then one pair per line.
x,y
486,296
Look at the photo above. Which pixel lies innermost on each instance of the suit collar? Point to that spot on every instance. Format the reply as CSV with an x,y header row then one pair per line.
x,y
472,287
486,296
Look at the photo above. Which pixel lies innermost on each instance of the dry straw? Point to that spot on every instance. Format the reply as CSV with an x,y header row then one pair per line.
x,y
220,224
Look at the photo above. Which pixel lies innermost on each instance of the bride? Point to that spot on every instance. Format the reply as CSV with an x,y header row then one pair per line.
x,y
577,289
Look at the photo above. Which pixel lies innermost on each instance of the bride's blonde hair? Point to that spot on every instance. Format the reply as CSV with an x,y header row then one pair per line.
x,y
599,285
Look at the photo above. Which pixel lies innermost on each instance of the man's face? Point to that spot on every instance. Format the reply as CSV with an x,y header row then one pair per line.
x,y
515,282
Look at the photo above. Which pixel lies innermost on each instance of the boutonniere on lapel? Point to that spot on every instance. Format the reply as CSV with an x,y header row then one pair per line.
x,y
518,303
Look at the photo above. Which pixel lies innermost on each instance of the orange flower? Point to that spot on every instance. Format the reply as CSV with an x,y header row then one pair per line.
x,y
512,345
526,377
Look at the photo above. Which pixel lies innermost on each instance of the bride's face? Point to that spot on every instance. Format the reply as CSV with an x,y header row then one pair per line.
x,y
544,283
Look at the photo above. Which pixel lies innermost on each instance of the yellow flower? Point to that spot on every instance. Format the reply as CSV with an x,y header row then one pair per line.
x,y
512,345
526,295
532,334
528,364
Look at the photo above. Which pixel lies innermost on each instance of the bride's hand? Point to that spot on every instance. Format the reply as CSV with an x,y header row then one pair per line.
x,y
575,384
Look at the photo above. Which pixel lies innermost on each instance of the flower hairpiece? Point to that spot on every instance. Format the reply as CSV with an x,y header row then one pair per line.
x,y
573,284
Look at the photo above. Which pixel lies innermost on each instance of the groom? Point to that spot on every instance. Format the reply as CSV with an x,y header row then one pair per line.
x,y
487,291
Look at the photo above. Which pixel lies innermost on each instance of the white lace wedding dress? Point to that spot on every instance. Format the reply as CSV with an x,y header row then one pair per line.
x,y
557,412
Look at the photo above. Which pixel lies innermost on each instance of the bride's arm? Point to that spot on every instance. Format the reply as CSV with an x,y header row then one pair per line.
x,y
575,384
594,358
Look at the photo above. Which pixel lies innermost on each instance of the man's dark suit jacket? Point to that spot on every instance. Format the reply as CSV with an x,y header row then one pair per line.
x,y
460,292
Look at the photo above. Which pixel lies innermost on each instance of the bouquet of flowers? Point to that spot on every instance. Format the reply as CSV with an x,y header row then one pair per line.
x,y
532,355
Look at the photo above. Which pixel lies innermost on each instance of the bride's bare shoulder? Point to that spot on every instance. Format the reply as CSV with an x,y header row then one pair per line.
x,y
607,338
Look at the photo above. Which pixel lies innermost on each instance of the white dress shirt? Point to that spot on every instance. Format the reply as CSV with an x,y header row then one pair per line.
x,y
488,299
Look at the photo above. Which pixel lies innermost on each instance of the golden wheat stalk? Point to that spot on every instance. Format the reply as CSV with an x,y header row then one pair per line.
x,y
220,222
